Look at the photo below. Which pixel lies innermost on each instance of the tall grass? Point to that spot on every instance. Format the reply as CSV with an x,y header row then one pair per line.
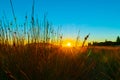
x,y
30,63
32,51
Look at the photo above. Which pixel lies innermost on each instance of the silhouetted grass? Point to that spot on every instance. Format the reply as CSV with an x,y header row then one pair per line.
x,y
37,54
31,63
33,51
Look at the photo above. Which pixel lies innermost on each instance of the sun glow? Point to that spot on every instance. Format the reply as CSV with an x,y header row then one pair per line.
x,y
68,44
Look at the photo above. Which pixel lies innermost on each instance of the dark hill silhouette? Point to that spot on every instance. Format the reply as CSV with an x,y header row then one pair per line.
x,y
106,43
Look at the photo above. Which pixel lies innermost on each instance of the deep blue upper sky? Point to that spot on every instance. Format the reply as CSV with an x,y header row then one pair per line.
x,y
100,18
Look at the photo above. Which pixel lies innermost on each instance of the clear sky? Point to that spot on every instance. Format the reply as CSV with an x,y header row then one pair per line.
x,y
100,18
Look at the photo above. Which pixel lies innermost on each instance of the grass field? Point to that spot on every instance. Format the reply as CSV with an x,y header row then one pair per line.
x,y
35,62
33,51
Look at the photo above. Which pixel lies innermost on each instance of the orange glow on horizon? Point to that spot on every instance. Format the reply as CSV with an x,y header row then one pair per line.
x,y
68,43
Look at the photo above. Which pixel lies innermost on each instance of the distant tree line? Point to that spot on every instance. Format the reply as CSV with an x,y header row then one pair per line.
x,y
106,43
118,40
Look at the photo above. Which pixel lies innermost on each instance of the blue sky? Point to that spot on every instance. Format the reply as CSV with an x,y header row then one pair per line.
x,y
100,18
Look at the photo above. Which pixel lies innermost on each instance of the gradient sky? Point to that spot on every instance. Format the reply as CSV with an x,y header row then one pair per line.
x,y
100,18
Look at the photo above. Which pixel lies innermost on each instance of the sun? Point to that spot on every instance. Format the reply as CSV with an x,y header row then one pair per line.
x,y
68,44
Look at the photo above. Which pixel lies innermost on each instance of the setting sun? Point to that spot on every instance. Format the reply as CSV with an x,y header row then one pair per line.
x,y
69,44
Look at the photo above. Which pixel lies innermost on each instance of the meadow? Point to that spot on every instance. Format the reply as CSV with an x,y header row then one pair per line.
x,y
33,51
36,53
35,62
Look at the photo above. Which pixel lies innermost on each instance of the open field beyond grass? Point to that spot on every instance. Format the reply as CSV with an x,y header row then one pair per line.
x,y
33,62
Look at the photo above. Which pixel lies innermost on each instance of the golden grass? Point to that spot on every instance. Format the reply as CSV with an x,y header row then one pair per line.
x,y
33,62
